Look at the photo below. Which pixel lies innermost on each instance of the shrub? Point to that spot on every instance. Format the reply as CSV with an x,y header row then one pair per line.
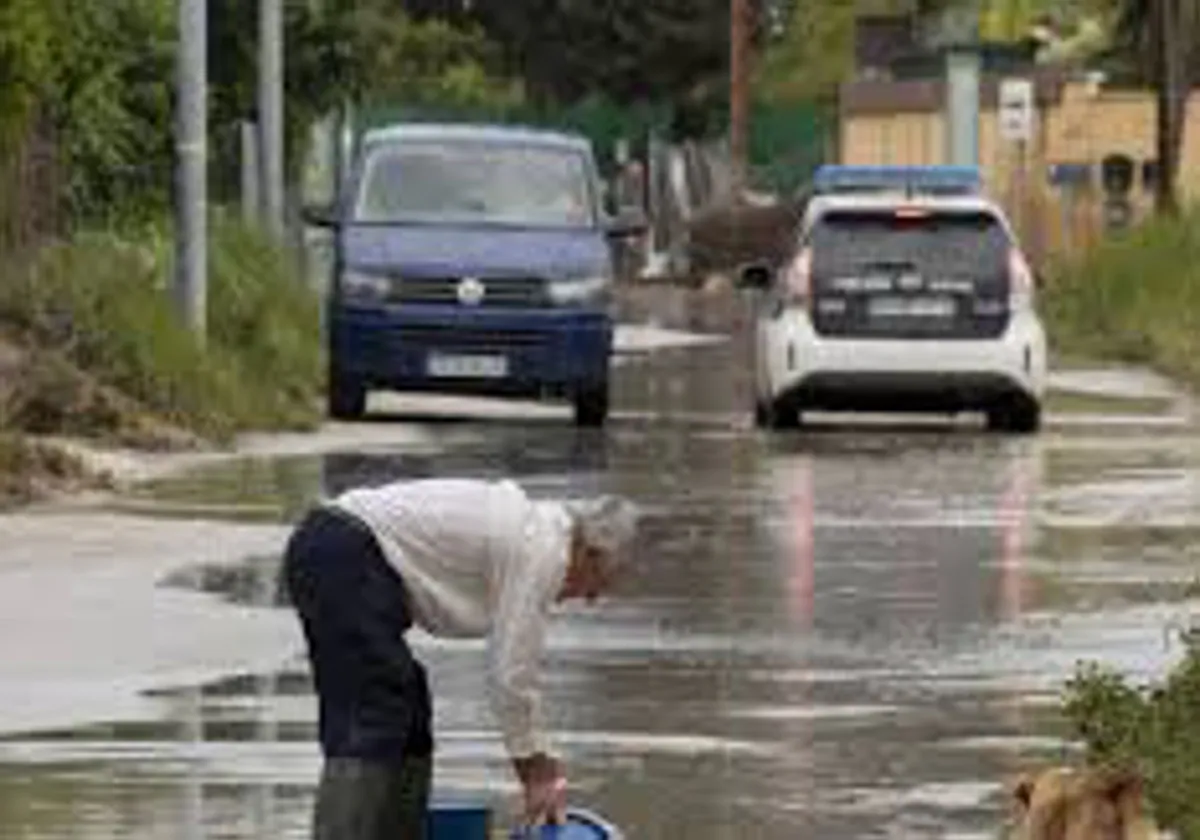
x,y
1155,728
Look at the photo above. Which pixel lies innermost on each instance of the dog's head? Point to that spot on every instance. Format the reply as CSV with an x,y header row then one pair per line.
x,y
1085,804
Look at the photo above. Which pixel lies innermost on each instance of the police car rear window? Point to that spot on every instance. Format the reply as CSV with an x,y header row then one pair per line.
x,y
961,242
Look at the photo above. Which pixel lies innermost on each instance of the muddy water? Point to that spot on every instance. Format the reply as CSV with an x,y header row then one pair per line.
x,y
857,632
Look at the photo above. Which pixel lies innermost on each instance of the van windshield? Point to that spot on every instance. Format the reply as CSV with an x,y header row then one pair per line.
x,y
475,182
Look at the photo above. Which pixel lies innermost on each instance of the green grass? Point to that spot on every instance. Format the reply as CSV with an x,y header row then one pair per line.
x,y
1136,298
99,305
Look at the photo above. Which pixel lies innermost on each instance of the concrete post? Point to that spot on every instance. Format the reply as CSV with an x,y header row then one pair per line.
x,y
270,108
191,146
962,106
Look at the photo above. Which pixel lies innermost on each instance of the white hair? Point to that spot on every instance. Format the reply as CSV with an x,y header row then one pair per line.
x,y
607,524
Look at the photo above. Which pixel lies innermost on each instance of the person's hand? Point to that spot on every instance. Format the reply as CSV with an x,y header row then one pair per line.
x,y
545,786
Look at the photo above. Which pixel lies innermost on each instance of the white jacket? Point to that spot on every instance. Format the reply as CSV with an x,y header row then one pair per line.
x,y
479,559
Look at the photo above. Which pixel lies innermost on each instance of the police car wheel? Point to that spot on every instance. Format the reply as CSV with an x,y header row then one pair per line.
x,y
777,415
1015,417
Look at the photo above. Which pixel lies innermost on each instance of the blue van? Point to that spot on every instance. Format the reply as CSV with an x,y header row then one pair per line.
x,y
474,260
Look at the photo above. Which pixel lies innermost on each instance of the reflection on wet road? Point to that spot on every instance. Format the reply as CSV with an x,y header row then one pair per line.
x,y
854,633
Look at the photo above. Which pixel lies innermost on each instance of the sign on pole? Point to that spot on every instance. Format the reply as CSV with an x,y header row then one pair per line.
x,y
1016,110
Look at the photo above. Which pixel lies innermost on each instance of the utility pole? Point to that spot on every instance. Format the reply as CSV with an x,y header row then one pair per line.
x,y
739,76
191,148
270,112
1169,121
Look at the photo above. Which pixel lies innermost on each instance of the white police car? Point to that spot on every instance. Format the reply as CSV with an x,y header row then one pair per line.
x,y
905,290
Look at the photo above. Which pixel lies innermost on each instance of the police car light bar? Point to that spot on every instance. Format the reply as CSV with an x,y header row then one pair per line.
x,y
910,180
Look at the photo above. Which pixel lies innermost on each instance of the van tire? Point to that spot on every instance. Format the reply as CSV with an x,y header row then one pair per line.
x,y
591,406
347,399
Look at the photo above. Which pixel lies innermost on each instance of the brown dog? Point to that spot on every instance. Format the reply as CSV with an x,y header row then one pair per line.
x,y
1085,804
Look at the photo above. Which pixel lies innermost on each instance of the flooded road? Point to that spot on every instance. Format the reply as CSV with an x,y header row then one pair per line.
x,y
854,632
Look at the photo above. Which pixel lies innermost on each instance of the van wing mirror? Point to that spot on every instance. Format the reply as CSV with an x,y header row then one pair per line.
x,y
320,215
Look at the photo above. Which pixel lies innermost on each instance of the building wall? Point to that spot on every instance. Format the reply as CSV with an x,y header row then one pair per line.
x,y
1078,125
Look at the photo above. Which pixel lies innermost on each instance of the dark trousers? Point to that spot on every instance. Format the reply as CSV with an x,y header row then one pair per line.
x,y
374,707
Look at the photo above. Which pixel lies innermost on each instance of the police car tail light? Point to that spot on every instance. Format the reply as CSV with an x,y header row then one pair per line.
x,y
799,278
1020,280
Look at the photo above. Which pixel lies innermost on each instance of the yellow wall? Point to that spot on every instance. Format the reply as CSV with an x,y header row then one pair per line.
x,y
1080,128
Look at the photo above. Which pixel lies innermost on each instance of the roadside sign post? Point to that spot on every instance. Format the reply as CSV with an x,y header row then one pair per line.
x,y
1016,110
1015,122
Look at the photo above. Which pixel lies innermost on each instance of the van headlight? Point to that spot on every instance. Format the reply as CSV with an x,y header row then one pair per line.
x,y
592,289
357,285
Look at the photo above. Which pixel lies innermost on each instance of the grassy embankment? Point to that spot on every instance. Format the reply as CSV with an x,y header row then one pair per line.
x,y
1135,298
90,347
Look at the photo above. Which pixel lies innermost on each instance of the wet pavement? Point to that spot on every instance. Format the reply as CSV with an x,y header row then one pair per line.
x,y
858,631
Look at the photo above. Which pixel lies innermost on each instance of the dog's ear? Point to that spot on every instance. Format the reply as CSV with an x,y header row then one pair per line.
x,y
1020,794
1021,790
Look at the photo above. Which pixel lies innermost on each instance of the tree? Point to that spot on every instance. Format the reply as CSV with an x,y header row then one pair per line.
x,y
25,32
1158,41
342,49
628,50
814,52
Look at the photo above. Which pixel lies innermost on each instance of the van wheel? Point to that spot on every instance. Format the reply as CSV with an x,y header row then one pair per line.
x,y
1023,416
347,399
591,405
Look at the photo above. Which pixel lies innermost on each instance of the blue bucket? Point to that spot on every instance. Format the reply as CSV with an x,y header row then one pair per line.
x,y
579,825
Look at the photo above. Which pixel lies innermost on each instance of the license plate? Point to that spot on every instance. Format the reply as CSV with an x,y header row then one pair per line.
x,y
911,307
467,367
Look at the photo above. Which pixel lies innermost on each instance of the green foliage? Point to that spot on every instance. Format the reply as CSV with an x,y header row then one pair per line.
x,y
430,61
338,51
1135,298
1154,728
813,55
101,302
626,50
110,106
101,75
24,57
814,52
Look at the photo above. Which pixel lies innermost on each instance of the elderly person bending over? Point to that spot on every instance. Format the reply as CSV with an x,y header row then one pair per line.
x,y
460,558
